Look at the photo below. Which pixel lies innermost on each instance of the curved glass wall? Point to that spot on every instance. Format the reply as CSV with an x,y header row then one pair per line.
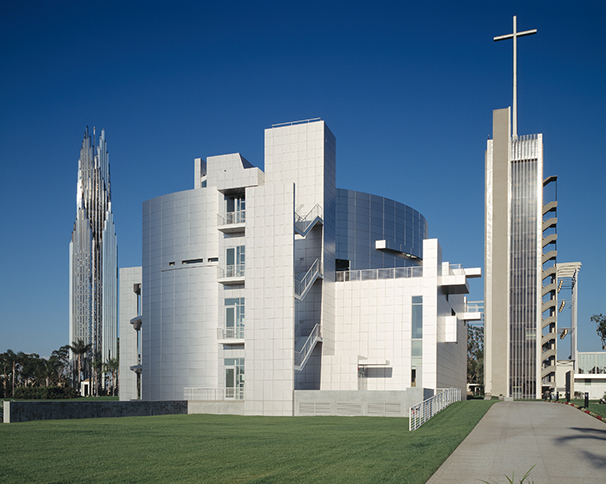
x,y
362,219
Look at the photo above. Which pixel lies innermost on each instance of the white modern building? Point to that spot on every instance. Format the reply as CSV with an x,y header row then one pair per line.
x,y
513,262
93,255
590,376
275,293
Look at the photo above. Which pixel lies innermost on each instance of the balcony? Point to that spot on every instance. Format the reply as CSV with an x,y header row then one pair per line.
x,y
231,222
231,335
374,274
231,274
474,311
454,278
213,394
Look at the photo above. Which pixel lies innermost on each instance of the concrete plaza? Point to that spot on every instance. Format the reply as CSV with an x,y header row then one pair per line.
x,y
563,444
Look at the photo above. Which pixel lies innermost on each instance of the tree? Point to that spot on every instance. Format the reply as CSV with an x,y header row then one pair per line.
x,y
13,360
49,371
60,360
5,366
113,366
475,355
31,369
79,349
97,366
601,329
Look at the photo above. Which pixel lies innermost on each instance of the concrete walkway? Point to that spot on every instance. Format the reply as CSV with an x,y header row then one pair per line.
x,y
563,444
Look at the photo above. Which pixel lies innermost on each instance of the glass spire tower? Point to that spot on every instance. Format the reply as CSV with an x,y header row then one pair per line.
x,y
93,255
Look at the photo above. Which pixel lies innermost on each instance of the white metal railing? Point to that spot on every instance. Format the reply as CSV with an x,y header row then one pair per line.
x,y
292,123
213,394
474,307
299,329
372,274
448,269
422,412
457,269
230,333
228,218
304,223
235,270
302,356
301,285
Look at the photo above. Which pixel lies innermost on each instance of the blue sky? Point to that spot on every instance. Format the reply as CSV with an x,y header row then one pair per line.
x,y
407,88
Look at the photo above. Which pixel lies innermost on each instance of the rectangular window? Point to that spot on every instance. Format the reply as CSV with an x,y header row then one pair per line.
x,y
416,353
235,209
235,261
417,348
234,317
417,317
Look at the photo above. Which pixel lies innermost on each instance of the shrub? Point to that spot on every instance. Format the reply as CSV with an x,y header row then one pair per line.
x,y
45,393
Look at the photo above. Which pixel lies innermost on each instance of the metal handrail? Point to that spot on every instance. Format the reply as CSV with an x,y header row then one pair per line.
x,y
373,274
303,223
301,285
213,394
474,307
228,218
422,412
310,343
234,270
231,333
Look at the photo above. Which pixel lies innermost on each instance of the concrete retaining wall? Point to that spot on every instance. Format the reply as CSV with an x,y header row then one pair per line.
x,y
26,411
222,407
359,403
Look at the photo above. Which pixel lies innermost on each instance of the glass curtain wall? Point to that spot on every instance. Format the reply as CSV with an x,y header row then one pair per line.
x,y
523,276
592,363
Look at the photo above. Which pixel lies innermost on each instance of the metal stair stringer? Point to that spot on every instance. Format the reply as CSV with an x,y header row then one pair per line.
x,y
303,355
303,224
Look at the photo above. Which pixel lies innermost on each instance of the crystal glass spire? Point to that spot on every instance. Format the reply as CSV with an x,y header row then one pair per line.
x,y
93,255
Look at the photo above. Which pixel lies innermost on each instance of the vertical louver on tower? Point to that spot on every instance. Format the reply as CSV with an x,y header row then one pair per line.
x,y
93,255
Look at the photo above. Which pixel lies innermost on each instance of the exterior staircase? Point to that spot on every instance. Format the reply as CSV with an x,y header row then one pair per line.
x,y
303,282
303,224
304,353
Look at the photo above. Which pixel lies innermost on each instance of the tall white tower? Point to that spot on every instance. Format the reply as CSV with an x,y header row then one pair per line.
x,y
519,284
93,255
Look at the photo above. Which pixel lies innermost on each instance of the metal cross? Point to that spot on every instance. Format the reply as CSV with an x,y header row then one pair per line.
x,y
515,36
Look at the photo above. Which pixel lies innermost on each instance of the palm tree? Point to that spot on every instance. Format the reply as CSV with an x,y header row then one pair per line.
x,y
49,370
113,367
79,348
96,364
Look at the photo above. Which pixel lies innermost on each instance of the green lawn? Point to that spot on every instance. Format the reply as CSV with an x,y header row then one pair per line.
x,y
214,448
594,406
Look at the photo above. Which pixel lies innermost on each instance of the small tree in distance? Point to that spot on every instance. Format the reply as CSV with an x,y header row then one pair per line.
x,y
475,355
601,329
